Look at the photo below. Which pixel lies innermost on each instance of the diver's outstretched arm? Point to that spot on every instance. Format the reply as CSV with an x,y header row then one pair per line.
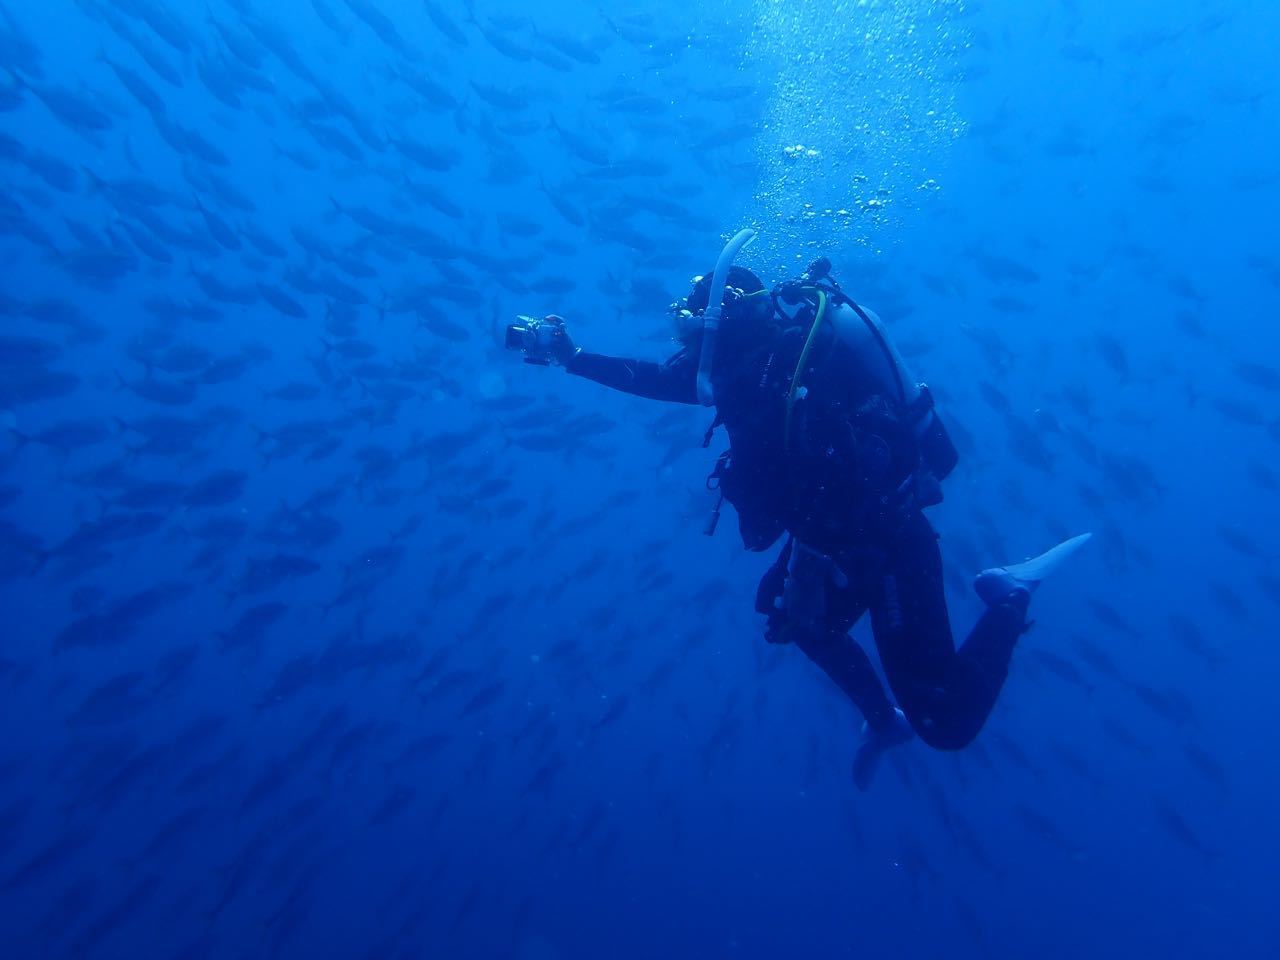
x,y
674,381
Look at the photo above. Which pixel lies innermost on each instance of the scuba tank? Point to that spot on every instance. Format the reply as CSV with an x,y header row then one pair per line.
x,y
878,360
938,453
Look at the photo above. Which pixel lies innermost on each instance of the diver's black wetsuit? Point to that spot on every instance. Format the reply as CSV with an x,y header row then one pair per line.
x,y
889,555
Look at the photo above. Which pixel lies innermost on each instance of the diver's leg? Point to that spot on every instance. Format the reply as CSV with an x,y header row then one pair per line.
x,y
947,694
827,642
849,667
832,648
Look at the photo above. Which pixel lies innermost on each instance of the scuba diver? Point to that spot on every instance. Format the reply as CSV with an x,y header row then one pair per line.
x,y
833,444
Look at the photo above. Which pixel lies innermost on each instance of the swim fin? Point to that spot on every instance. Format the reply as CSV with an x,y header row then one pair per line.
x,y
874,743
1000,583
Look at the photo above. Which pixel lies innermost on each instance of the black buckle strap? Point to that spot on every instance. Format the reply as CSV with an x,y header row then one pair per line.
x,y
711,430
922,404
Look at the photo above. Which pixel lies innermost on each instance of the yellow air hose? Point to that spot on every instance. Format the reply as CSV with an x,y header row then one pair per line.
x,y
804,357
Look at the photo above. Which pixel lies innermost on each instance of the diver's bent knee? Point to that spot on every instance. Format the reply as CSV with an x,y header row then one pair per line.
x,y
943,733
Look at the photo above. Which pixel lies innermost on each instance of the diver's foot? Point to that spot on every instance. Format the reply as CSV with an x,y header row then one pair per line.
x,y
1017,581
998,585
874,743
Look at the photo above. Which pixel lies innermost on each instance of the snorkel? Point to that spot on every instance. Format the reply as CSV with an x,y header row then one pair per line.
x,y
715,307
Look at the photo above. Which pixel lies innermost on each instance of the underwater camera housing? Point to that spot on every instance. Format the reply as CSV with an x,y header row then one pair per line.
x,y
536,337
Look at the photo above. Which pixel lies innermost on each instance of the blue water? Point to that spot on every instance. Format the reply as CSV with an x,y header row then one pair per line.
x,y
333,630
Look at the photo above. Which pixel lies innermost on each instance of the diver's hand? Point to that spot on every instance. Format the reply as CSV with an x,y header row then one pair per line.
x,y
542,340
804,597
560,347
